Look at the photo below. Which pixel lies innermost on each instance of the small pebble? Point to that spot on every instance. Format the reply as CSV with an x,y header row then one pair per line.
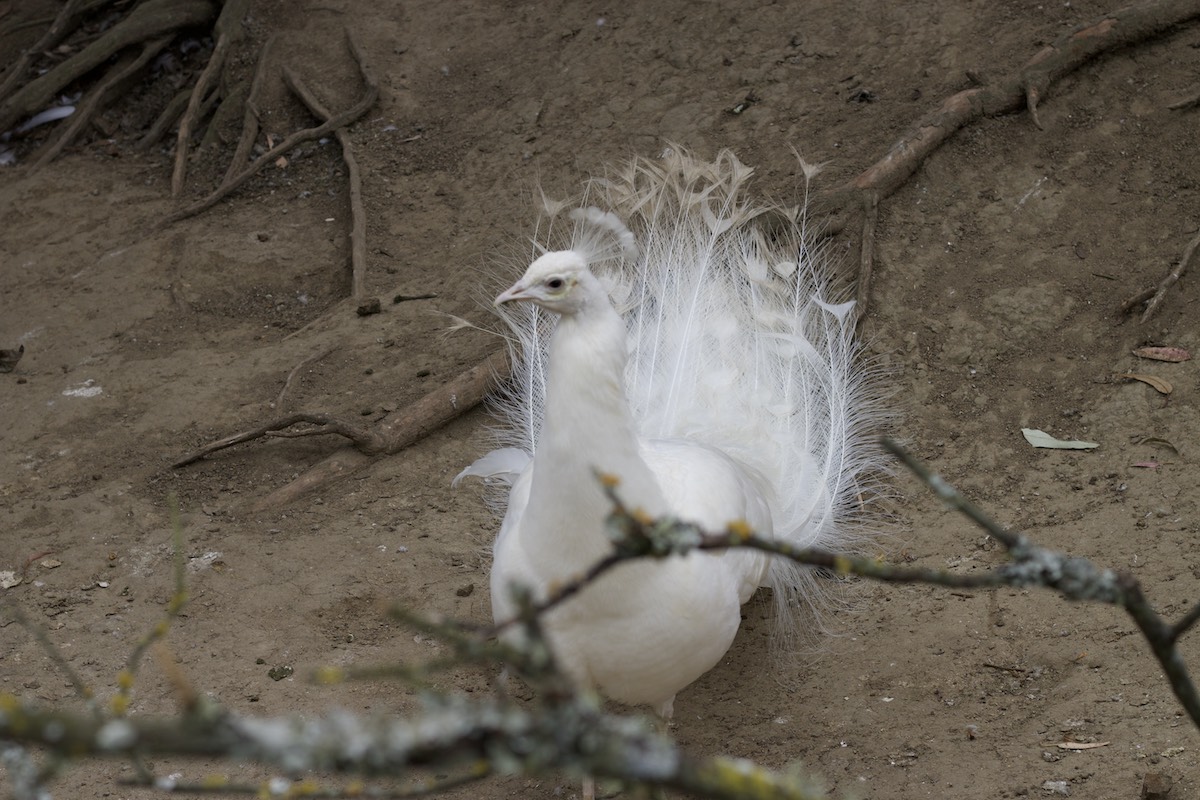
x,y
279,673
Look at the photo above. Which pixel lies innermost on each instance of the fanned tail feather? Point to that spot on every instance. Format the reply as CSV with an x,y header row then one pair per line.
x,y
736,340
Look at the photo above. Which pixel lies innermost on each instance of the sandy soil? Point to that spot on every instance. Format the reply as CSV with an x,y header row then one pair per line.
x,y
1000,267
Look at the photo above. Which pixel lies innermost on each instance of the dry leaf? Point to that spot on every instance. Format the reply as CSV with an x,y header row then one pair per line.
x,y
1163,387
1174,354
281,162
1156,440
1081,745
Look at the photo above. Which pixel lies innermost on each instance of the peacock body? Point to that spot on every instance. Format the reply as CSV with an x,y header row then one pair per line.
x,y
679,337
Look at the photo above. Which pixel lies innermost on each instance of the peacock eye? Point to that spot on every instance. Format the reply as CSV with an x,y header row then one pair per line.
x,y
555,283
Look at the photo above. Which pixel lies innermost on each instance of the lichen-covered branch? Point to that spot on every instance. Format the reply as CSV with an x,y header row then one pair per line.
x,y
564,729
493,735
637,536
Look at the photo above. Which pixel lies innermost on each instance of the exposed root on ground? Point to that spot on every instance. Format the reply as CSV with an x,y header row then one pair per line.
x,y
390,435
147,22
229,31
234,180
1153,296
1022,90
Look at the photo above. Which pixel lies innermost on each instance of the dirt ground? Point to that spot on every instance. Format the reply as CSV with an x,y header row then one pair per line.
x,y
1000,266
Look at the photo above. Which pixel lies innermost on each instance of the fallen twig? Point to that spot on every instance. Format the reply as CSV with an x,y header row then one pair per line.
x,y
1191,101
363,437
1153,296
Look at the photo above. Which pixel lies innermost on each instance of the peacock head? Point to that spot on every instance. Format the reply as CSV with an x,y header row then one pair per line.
x,y
558,282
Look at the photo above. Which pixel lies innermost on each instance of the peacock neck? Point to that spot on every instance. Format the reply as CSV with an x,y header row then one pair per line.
x,y
587,426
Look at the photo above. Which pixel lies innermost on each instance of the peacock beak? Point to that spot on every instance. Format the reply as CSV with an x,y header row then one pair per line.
x,y
518,291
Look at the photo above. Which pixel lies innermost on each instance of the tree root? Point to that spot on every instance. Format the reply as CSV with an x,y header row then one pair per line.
x,y
864,192
358,214
60,28
866,261
295,371
166,119
234,181
251,115
364,438
1191,101
390,435
100,95
228,29
1021,90
148,21
1154,295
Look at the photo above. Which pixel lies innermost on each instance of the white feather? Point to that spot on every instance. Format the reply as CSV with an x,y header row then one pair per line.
x,y
720,387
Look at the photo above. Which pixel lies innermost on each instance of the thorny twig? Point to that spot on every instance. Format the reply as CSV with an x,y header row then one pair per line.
x,y
175,606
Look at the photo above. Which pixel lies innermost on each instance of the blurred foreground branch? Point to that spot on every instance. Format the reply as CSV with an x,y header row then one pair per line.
x,y
564,729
